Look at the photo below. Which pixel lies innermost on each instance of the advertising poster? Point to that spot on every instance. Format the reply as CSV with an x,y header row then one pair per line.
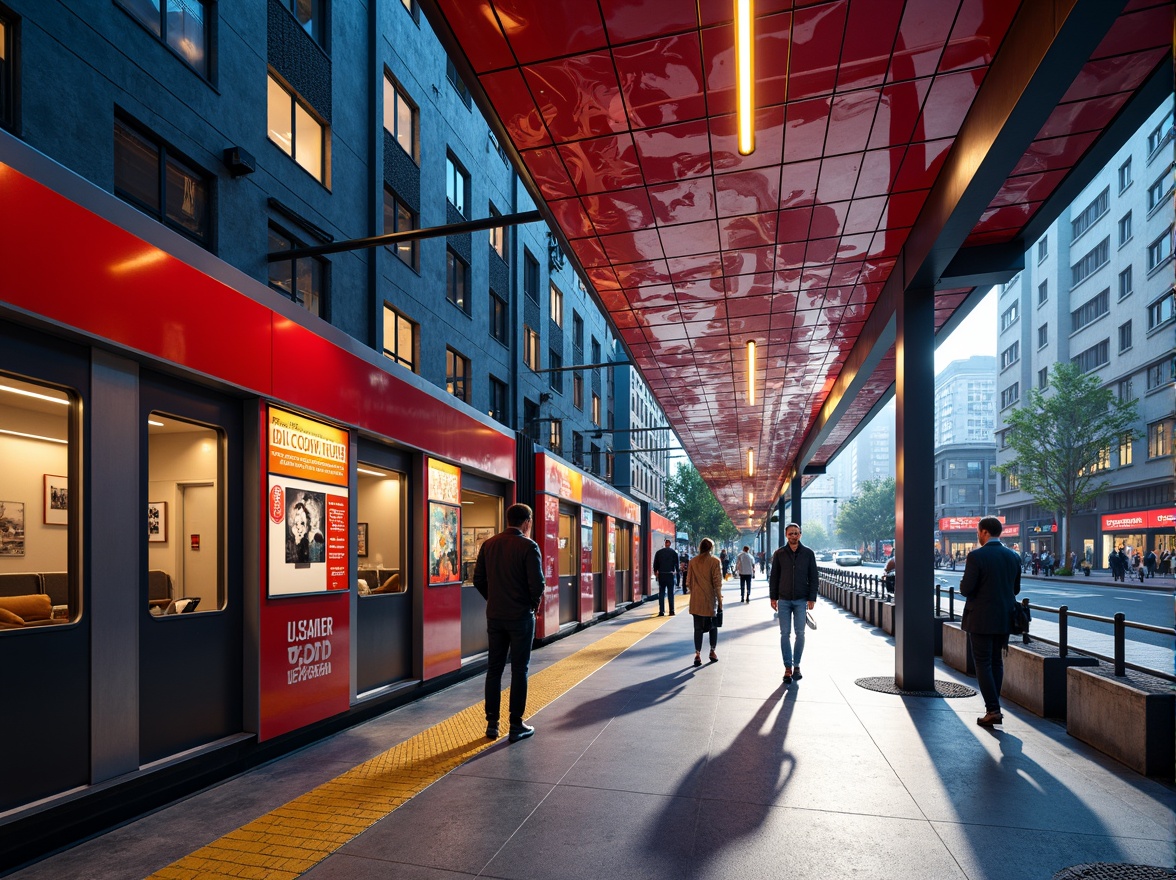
x,y
443,553
307,523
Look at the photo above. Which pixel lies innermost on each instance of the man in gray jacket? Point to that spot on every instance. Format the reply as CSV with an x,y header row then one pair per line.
x,y
792,588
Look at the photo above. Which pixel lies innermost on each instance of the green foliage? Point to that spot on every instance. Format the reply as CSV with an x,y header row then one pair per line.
x,y
869,515
693,507
1060,435
813,535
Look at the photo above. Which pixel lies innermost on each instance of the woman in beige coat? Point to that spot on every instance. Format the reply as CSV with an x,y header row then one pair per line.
x,y
704,576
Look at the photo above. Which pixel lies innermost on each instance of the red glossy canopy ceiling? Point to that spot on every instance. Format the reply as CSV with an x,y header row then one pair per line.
x,y
621,112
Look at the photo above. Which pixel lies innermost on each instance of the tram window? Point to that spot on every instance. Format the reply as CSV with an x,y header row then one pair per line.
x,y
39,514
569,551
185,517
380,533
481,518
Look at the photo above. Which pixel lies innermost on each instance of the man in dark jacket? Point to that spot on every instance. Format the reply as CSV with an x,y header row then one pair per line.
x,y
509,575
665,567
991,581
792,587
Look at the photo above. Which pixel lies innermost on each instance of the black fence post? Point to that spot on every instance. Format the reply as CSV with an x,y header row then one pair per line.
x,y
1063,630
951,603
1120,644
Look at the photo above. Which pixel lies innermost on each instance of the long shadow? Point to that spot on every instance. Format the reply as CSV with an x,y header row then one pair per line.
x,y
756,764
633,698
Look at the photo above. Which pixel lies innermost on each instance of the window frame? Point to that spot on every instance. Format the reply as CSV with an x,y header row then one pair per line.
x,y
1156,309
1125,231
455,175
297,104
401,100
317,29
498,400
497,235
1125,336
499,319
531,344
1043,336
457,269
596,409
1094,357
555,374
531,276
1125,290
557,304
402,248
322,295
1159,252
159,29
457,374
1159,439
1125,178
395,354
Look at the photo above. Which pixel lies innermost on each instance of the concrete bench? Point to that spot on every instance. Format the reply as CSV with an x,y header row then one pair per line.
x,y
1128,720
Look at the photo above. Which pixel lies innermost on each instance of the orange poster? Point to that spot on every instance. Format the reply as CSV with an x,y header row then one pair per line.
x,y
306,448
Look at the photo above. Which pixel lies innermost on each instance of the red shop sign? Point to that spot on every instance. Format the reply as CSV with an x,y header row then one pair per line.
x,y
1139,519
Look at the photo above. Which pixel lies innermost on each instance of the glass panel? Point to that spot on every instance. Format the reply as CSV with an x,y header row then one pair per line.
x,y
306,13
185,517
404,340
37,585
3,41
310,285
147,11
185,31
136,167
404,126
279,117
380,539
187,199
568,553
389,106
308,146
280,272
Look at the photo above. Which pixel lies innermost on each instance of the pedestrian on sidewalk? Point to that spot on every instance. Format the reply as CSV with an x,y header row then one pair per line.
x,y
745,568
792,588
665,569
991,582
509,575
1149,562
705,577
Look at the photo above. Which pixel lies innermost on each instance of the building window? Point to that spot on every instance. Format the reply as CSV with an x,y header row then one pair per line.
x,y
155,181
400,117
1159,191
577,331
498,404
455,80
1091,262
457,374
1161,373
595,409
1126,447
1042,378
1090,213
1125,390
1124,229
400,338
295,132
309,14
1091,310
1159,135
1160,250
499,319
1043,336
1159,438
7,77
1096,356
530,276
578,391
555,436
555,365
1010,355
530,348
398,217
457,184
1161,311
182,24
1010,395
1042,249
556,306
595,351
457,275
577,449
1124,337
1008,317
303,280
1126,285
1125,175
1043,292
497,235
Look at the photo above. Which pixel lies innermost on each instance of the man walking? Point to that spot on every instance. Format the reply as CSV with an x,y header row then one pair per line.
x,y
745,568
792,588
665,567
509,575
991,581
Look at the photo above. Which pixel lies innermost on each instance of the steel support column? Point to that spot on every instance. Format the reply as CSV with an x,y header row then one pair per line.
x,y
914,655
797,488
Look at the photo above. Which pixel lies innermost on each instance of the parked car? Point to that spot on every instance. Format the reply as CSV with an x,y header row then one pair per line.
x,y
824,556
847,557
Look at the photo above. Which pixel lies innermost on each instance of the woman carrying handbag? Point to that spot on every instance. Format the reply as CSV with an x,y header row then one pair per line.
x,y
705,576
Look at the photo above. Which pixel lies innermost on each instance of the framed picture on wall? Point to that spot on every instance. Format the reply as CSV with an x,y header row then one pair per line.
x,y
56,500
12,528
361,539
444,523
156,522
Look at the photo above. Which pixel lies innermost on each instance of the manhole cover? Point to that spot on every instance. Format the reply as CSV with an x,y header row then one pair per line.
x,y
886,685
1114,871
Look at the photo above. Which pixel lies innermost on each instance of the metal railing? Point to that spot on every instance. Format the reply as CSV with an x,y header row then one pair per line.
x,y
872,585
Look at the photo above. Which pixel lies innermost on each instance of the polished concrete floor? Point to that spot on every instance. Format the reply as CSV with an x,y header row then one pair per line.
x,y
653,768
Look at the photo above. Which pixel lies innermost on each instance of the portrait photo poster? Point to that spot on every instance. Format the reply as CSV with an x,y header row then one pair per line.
x,y
308,537
56,500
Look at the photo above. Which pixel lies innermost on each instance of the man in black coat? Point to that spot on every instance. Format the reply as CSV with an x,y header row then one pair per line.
x,y
509,575
792,587
665,567
991,581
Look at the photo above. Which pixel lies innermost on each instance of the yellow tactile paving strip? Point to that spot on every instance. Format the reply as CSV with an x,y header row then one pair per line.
x,y
297,836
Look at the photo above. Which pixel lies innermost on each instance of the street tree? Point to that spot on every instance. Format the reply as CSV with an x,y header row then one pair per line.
x,y
1061,437
868,515
692,505
814,535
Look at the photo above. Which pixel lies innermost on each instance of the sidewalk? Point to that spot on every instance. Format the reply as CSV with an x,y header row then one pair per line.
x,y
651,768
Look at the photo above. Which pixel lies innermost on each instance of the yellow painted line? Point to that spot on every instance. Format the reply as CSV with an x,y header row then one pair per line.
x,y
295,837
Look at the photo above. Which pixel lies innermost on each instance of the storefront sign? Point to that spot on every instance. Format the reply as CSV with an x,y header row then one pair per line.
x,y
306,505
1012,531
1141,519
962,523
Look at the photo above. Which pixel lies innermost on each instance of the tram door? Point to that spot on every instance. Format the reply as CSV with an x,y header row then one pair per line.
x,y
569,565
624,580
190,629
599,544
